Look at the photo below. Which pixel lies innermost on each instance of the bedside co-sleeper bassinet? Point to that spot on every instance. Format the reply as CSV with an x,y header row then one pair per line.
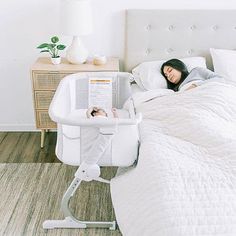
x,y
91,143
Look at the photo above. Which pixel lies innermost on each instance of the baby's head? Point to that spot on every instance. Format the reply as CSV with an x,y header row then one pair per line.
x,y
98,112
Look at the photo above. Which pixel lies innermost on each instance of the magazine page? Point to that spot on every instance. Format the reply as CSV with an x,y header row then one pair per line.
x,y
100,92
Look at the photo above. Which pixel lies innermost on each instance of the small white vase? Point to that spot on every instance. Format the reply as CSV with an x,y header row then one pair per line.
x,y
76,53
56,60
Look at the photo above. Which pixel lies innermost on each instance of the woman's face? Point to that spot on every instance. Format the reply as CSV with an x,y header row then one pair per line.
x,y
172,74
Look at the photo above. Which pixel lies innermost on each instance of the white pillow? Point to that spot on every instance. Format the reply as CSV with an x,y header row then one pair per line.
x,y
224,62
148,75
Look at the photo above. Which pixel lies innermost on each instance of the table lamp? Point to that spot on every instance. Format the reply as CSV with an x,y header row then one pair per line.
x,y
76,20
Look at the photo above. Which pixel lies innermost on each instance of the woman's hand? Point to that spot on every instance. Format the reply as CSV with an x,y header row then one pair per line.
x,y
191,87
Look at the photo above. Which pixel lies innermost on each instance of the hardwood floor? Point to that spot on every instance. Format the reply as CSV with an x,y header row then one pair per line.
x,y
31,193
33,182
24,147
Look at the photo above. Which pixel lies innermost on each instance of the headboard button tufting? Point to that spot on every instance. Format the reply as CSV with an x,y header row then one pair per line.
x,y
169,50
190,51
171,27
148,51
215,27
148,27
193,27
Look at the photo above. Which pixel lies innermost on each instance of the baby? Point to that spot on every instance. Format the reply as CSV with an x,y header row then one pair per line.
x,y
99,112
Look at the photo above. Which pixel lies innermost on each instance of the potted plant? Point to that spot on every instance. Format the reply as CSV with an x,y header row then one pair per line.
x,y
53,48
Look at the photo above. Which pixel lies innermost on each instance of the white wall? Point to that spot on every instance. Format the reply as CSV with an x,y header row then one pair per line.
x,y
27,23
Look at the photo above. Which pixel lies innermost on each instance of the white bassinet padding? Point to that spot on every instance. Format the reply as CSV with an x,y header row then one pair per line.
x,y
76,142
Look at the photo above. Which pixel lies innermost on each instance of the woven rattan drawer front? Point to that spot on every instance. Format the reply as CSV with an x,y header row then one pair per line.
x,y
44,121
43,99
47,81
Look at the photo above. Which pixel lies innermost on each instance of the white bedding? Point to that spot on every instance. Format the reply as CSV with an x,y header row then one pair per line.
x,y
185,181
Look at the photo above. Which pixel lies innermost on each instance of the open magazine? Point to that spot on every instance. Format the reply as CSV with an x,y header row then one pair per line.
x,y
100,92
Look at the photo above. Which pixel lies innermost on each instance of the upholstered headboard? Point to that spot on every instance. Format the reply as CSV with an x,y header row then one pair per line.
x,y
165,34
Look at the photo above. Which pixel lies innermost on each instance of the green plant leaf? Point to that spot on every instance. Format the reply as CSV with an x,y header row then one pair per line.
x,y
54,39
44,45
61,47
53,45
44,51
50,47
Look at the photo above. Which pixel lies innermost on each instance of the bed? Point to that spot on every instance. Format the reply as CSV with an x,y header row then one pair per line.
x,y
185,180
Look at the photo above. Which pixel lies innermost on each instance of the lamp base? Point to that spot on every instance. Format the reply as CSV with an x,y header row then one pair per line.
x,y
76,53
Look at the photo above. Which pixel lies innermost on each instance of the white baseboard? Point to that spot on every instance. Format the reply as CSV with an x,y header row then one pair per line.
x,y
18,128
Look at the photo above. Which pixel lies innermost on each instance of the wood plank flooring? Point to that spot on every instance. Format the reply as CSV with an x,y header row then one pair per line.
x,y
31,191
24,147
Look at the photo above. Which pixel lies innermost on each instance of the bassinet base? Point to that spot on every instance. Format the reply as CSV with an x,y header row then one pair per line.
x,y
70,220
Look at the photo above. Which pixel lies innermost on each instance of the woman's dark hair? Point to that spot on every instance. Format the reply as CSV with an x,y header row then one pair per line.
x,y
178,65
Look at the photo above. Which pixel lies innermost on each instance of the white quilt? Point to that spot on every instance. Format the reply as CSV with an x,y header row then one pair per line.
x,y
185,181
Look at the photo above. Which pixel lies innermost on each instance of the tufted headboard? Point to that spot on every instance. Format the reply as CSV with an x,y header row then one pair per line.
x,y
165,34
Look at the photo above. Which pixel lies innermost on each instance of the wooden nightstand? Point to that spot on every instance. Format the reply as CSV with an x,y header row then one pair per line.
x,y
45,79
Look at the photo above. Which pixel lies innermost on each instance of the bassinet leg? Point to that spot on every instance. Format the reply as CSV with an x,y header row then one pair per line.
x,y
70,220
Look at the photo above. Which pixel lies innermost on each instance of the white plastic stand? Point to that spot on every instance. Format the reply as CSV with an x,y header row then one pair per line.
x,y
86,172
70,220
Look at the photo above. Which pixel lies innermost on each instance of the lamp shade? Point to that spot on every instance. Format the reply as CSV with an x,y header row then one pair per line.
x,y
76,17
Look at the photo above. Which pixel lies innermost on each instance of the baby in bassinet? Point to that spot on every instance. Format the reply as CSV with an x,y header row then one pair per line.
x,y
99,112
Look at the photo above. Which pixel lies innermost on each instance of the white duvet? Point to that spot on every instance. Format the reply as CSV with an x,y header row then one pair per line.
x,y
185,181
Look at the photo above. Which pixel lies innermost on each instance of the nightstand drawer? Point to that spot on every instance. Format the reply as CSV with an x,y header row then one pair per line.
x,y
44,121
47,81
43,99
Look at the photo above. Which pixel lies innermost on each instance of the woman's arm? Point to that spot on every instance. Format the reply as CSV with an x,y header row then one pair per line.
x,y
199,76
205,73
191,87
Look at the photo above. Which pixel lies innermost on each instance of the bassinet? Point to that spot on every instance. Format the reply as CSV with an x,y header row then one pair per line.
x,y
90,143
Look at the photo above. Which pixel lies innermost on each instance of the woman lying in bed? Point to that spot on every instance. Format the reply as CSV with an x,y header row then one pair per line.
x,y
178,78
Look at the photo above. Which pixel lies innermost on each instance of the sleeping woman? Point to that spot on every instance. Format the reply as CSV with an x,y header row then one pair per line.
x,y
178,78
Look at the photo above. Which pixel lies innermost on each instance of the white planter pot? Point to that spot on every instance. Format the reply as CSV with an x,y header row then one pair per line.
x,y
56,60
